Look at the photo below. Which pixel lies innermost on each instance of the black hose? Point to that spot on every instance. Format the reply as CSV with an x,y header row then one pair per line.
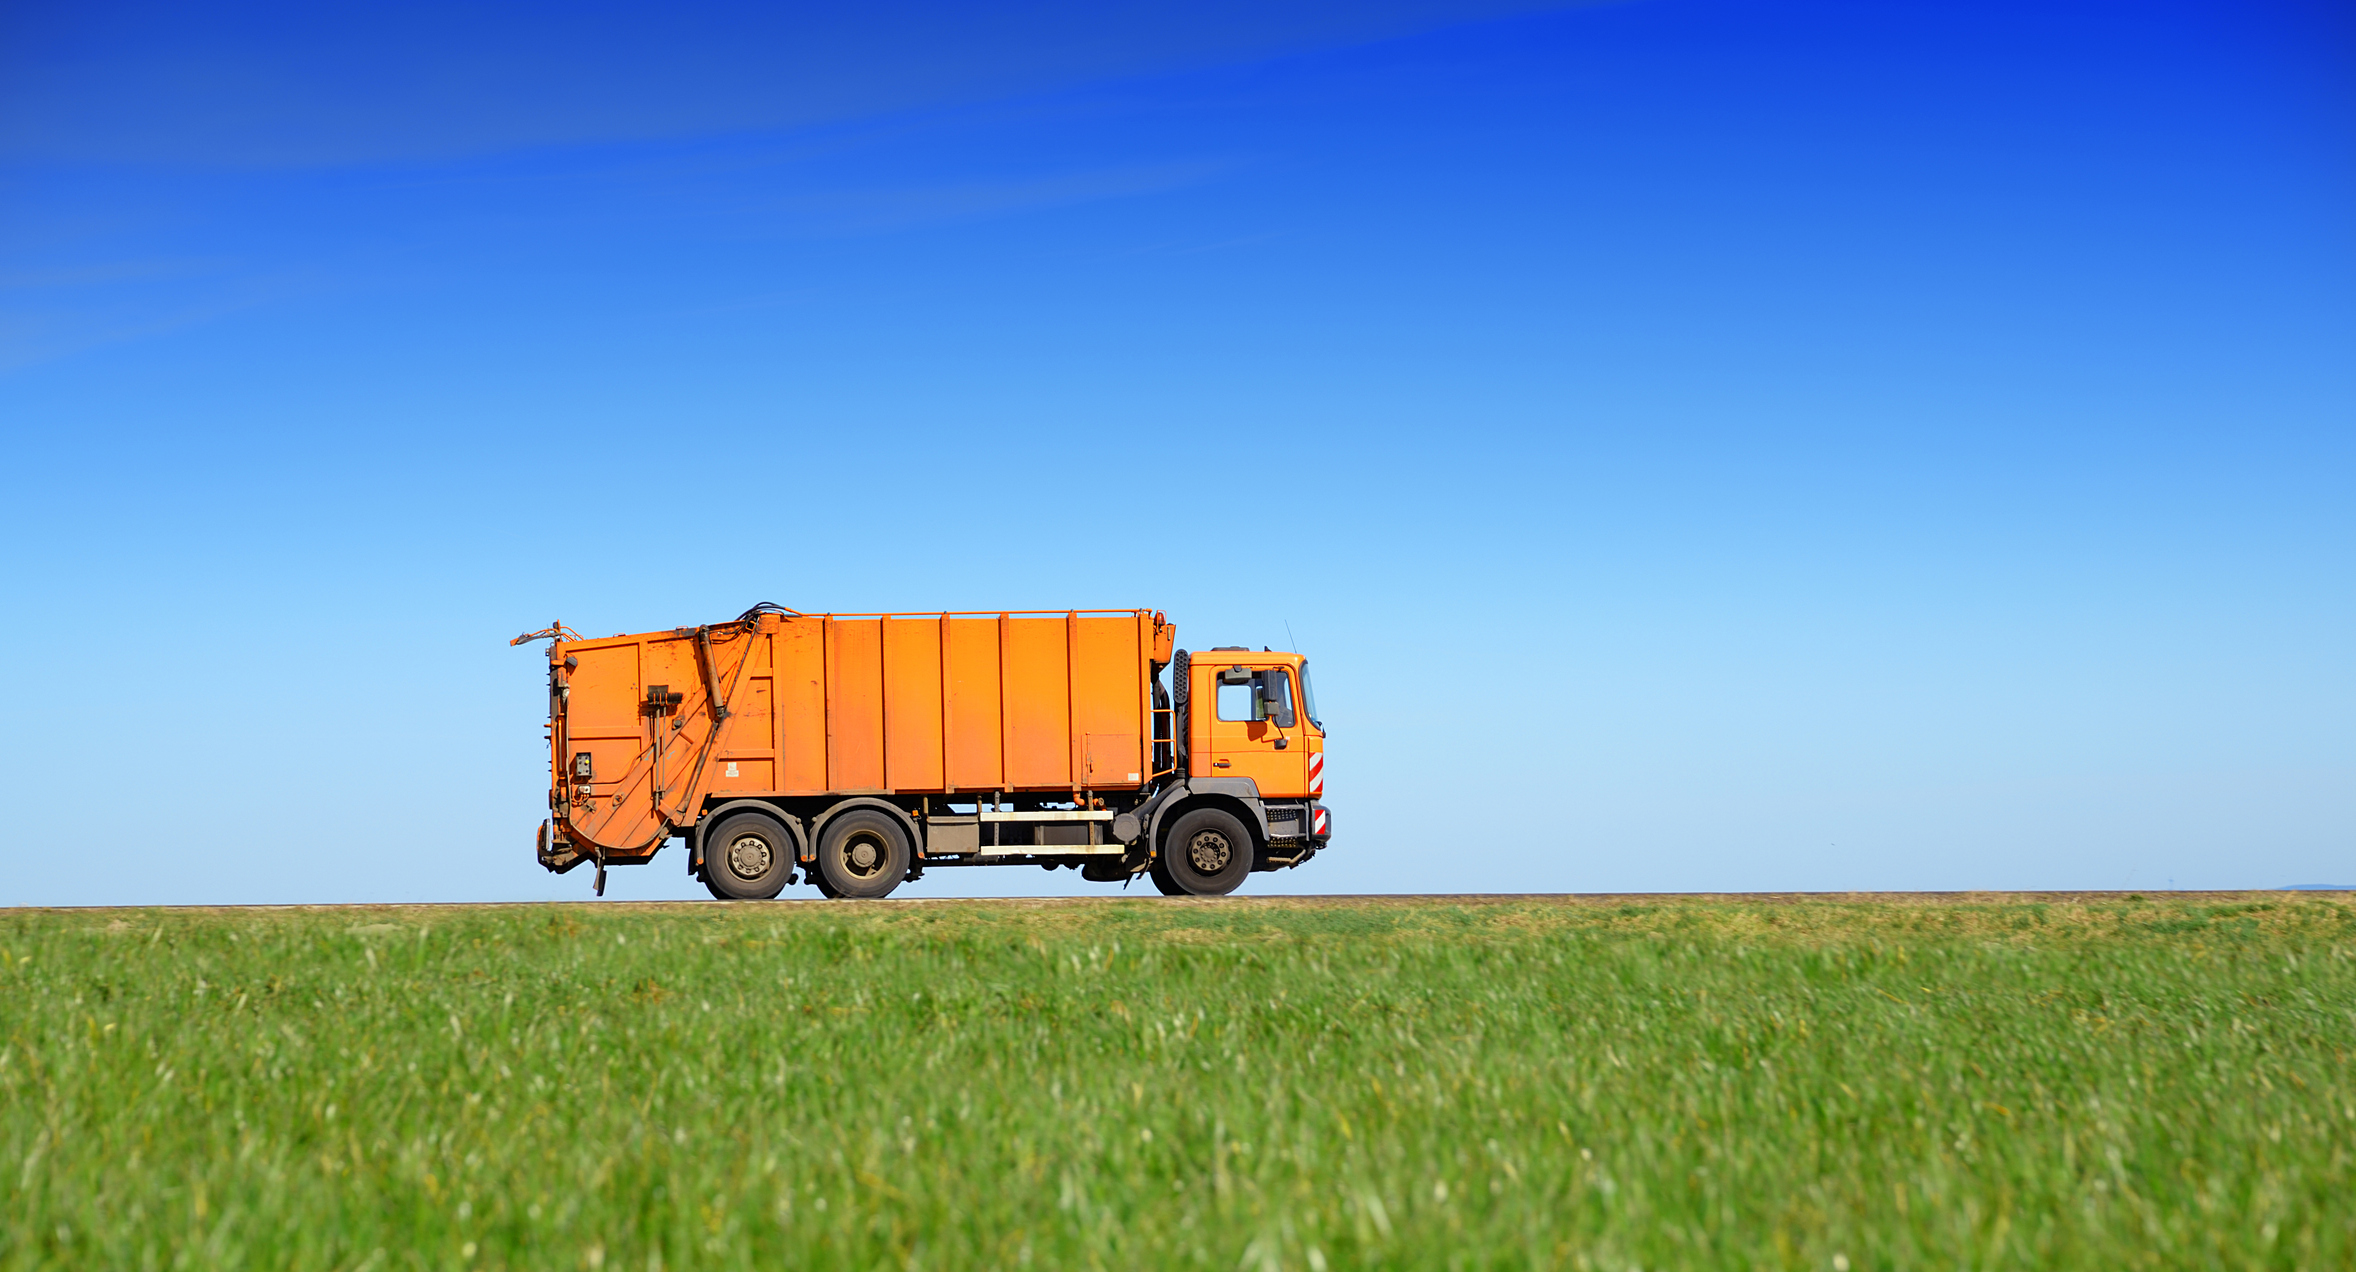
x,y
765,607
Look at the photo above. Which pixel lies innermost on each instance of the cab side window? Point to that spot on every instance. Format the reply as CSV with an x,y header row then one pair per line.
x,y
1267,693
1235,702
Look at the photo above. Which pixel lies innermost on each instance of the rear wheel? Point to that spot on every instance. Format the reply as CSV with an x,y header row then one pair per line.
x,y
747,857
1207,853
863,855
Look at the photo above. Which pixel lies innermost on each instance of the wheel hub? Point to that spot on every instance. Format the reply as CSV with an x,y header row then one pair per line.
x,y
749,856
863,856
1208,852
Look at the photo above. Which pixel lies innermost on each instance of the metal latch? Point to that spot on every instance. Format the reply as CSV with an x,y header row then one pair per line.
x,y
662,700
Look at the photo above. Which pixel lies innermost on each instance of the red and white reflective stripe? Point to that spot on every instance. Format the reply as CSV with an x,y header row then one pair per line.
x,y
1317,823
1317,773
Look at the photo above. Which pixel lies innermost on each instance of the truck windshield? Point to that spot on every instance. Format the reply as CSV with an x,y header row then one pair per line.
x,y
1309,698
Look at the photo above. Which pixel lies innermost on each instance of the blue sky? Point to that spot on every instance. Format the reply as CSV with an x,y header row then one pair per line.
x,y
1700,446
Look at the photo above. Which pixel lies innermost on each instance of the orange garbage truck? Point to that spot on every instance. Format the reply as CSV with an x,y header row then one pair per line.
x,y
855,751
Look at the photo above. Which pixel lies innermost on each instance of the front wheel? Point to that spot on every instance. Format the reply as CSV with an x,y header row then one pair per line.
x,y
863,855
1207,853
1162,882
747,858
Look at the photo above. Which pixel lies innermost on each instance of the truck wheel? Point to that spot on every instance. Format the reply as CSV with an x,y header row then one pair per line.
x,y
863,855
1162,882
747,857
1207,853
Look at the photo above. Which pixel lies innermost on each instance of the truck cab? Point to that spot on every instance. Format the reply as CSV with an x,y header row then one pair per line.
x,y
1256,719
1253,769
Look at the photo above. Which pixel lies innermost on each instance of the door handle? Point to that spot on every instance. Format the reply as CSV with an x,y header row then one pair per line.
x,y
1220,764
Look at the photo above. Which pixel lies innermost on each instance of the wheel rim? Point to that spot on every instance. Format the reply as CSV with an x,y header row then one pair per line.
x,y
1209,852
864,856
749,856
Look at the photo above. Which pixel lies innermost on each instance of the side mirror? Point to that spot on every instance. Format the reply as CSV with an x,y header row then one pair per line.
x,y
1275,691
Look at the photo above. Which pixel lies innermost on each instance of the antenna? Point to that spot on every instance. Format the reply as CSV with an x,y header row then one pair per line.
x,y
1288,636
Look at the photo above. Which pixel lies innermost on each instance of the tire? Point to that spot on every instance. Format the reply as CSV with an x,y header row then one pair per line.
x,y
1207,853
863,855
1162,882
747,857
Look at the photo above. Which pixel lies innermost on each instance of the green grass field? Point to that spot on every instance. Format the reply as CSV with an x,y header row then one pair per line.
x,y
1726,1083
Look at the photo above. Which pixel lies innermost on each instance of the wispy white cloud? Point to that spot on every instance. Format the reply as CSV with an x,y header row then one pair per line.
x,y
104,273
276,84
32,333
889,208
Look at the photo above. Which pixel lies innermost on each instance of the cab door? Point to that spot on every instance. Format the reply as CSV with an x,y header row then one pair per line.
x,y
1253,713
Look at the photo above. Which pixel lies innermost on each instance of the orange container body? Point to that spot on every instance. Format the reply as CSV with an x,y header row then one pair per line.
x,y
783,705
